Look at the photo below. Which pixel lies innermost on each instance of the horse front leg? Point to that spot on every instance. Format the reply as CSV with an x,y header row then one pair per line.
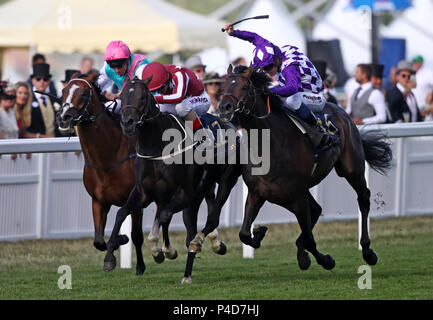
x,y
153,238
137,239
252,208
135,201
99,212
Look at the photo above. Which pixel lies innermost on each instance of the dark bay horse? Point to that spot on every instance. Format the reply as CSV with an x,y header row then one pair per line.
x,y
173,187
109,155
293,169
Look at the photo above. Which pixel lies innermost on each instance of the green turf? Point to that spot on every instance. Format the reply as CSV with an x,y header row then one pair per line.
x,y
28,269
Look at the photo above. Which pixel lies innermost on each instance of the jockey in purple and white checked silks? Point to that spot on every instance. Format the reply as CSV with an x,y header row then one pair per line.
x,y
299,83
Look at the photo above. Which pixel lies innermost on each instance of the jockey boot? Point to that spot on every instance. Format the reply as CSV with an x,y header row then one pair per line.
x,y
306,115
204,139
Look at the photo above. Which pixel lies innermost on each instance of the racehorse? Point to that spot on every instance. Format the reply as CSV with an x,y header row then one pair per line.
x,y
295,166
109,155
159,182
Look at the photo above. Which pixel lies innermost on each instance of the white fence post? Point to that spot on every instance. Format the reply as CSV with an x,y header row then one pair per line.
x,y
367,180
126,249
247,251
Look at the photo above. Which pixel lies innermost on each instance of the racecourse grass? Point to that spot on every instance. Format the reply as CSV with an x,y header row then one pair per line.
x,y
28,269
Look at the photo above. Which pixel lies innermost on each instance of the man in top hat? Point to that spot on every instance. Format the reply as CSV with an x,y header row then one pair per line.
x,y
40,58
43,114
377,76
367,104
328,81
401,100
68,75
195,64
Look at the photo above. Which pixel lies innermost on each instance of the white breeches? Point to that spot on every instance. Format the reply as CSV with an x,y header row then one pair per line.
x,y
110,105
199,104
314,101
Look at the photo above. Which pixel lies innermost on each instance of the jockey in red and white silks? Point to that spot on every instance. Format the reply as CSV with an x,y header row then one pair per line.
x,y
178,90
119,66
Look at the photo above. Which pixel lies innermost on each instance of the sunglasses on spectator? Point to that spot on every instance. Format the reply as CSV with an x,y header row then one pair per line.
x,y
405,75
46,79
116,63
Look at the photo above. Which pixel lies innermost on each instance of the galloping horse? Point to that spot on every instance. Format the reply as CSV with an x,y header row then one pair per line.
x,y
159,182
294,167
109,163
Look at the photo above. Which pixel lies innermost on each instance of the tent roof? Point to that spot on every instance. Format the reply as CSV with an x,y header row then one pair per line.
x,y
351,28
416,26
86,26
280,29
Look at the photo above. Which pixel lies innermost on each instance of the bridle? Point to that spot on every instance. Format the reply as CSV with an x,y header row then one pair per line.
x,y
141,114
84,116
241,103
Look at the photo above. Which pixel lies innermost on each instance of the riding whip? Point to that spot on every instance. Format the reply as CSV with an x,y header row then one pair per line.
x,y
239,21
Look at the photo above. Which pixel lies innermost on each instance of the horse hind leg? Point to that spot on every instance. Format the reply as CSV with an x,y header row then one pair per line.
x,y
169,251
137,239
153,239
304,260
359,184
301,208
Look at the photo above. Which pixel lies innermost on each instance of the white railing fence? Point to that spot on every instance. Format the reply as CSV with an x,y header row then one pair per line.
x,y
44,196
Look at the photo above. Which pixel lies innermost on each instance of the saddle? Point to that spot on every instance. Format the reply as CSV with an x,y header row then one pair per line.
x,y
315,136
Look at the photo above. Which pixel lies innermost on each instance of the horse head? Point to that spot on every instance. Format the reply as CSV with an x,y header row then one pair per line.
x,y
137,105
237,93
76,97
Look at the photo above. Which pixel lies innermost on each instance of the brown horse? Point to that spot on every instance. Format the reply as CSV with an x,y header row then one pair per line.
x,y
294,165
109,164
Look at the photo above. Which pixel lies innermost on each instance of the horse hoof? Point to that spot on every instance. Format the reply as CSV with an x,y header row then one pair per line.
x,y
328,262
186,280
139,270
304,261
159,258
258,235
122,239
171,254
222,250
370,257
109,265
101,246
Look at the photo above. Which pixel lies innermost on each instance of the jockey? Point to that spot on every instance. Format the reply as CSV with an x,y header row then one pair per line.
x,y
119,66
300,83
179,91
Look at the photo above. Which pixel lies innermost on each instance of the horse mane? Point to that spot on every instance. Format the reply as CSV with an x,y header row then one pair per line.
x,y
262,82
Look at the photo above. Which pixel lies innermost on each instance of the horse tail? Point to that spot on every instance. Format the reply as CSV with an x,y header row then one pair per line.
x,y
378,153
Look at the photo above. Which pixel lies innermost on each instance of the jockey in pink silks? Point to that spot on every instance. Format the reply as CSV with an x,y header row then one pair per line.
x,y
300,84
119,66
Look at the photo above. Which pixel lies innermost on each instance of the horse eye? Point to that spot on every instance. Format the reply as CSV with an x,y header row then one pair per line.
x,y
245,88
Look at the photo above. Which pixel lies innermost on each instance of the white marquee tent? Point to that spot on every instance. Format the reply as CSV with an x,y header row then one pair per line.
x,y
416,26
352,28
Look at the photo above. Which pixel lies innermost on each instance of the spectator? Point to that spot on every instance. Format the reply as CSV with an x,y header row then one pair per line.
x,y
367,104
68,75
391,81
195,64
23,107
43,107
240,61
401,100
212,84
86,65
349,88
329,79
424,86
377,76
8,122
40,58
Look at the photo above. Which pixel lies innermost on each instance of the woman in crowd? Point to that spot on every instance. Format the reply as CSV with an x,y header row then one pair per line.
x,y
8,122
212,84
22,107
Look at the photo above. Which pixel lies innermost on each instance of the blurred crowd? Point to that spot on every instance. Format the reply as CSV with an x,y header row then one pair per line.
x,y
28,108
